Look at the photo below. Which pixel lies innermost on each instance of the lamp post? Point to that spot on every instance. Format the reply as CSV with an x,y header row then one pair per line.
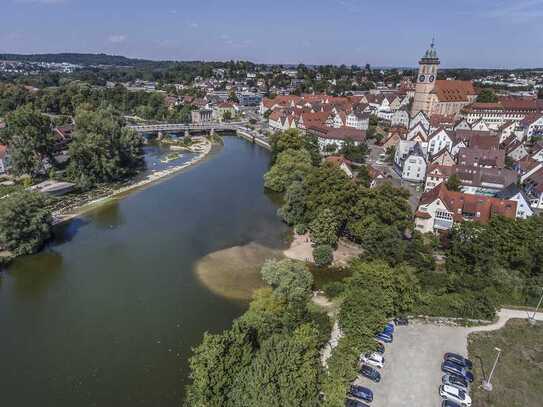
x,y
487,385
531,318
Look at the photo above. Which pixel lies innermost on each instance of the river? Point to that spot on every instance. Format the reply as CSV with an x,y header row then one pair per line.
x,y
108,313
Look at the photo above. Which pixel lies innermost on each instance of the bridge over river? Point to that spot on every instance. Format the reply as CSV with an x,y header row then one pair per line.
x,y
212,127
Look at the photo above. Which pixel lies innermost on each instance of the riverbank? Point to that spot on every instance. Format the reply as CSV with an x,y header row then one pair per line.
x,y
106,194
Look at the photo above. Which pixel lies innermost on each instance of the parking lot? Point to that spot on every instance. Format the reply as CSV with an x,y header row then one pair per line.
x,y
412,372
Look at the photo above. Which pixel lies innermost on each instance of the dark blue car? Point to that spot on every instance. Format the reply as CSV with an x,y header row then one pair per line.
x,y
362,393
354,403
385,337
451,367
389,328
458,359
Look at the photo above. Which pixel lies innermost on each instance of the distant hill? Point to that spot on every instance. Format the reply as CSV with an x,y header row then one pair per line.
x,y
75,58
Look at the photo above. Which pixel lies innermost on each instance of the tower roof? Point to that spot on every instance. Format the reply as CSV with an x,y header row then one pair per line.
x,y
431,54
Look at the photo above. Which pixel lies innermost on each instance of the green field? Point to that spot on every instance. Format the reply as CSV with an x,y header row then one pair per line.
x,y
518,378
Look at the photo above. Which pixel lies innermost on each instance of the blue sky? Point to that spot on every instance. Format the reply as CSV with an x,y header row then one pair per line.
x,y
469,33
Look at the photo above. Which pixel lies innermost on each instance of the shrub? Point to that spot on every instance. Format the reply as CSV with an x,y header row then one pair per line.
x,y
333,289
323,255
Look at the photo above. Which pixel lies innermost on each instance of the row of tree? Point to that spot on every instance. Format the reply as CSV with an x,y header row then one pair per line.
x,y
70,96
103,149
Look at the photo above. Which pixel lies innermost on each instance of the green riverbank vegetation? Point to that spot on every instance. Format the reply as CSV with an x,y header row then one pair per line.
x,y
103,152
480,268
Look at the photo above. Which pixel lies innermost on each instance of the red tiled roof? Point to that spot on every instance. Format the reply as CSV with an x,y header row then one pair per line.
x,y
341,133
453,91
479,208
477,157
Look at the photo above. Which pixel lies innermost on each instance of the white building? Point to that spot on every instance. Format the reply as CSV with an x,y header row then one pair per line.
x,y
438,141
360,121
400,118
409,161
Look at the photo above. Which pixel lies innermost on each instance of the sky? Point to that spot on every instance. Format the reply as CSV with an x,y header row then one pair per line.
x,y
469,33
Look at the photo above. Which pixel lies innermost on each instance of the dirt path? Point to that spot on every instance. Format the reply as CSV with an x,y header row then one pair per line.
x,y
504,315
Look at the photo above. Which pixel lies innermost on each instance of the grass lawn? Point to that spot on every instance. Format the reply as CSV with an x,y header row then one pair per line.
x,y
518,378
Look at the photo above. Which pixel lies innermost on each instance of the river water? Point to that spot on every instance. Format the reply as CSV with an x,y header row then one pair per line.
x,y
108,313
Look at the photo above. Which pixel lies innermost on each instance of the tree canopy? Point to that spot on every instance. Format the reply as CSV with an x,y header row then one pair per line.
x,y
103,150
25,222
487,96
291,165
29,136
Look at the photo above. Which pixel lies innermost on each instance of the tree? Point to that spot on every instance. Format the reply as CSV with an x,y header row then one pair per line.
x,y
294,140
354,152
217,365
328,187
284,372
289,279
384,204
324,228
291,165
454,183
399,284
293,210
25,222
323,255
103,150
29,136
390,153
363,313
487,96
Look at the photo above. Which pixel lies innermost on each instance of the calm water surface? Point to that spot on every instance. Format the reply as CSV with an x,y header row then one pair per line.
x,y
107,315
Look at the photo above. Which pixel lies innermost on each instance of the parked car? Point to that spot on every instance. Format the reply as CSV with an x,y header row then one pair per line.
x,y
382,336
458,359
455,394
389,328
451,367
455,380
380,348
371,373
449,403
354,403
401,321
373,359
361,392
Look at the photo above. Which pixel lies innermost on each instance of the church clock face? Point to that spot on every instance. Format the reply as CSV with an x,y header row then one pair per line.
x,y
431,78
421,78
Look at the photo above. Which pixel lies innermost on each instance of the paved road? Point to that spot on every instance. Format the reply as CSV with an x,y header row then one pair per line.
x,y
412,372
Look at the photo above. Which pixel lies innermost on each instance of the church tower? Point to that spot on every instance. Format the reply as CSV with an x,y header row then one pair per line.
x,y
425,81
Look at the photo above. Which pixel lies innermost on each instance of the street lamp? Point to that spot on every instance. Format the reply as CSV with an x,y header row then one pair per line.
x,y
531,318
487,385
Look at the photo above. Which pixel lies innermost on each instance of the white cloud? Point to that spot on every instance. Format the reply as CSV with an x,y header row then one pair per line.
x,y
117,38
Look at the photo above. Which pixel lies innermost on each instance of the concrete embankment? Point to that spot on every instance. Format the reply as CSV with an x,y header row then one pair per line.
x,y
253,139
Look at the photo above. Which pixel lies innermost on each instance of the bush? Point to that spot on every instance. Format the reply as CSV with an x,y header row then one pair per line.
x,y
300,229
323,255
333,289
